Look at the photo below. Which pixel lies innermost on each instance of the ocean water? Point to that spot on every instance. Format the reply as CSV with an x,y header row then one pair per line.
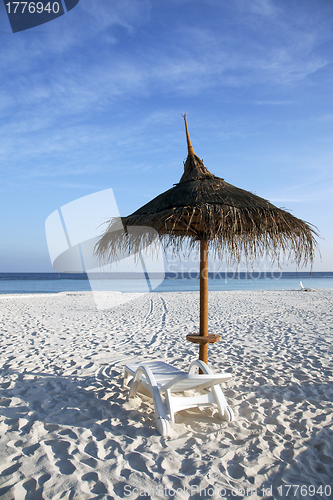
x,y
18,283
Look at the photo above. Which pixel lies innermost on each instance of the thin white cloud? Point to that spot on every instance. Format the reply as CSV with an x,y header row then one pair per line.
x,y
275,102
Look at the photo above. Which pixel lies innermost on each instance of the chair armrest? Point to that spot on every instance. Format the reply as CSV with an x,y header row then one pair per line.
x,y
142,370
200,364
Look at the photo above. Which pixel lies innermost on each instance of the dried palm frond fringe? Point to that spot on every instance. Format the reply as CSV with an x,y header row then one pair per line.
x,y
232,233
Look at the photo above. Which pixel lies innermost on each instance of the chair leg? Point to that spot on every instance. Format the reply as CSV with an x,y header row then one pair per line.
x,y
230,414
224,409
161,419
162,426
170,405
126,377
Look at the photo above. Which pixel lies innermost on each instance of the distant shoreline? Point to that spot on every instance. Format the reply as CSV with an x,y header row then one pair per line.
x,y
23,283
169,275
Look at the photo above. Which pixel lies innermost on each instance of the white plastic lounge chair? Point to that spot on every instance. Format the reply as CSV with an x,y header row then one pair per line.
x,y
160,378
303,288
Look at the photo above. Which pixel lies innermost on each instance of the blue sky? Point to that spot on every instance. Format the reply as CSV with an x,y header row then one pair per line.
x,y
93,100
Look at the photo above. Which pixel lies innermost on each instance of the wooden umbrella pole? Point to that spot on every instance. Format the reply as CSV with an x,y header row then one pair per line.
x,y
203,348
204,338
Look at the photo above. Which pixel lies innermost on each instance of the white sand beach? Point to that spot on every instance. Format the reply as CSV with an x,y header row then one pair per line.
x,y
68,431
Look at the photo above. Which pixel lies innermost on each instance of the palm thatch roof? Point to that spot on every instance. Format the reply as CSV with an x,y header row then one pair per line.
x,y
235,222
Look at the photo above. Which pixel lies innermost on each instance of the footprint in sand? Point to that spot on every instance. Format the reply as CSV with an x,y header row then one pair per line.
x,y
236,471
59,449
126,473
30,450
99,487
5,489
51,427
34,493
137,463
188,466
98,433
68,432
10,470
65,466
13,423
115,449
91,449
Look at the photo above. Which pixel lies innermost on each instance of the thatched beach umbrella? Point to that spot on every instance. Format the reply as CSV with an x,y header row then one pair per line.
x,y
203,208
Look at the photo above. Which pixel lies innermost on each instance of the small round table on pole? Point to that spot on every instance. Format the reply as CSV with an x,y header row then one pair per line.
x,y
196,338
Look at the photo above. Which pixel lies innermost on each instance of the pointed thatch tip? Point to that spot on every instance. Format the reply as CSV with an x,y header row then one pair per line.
x,y
189,144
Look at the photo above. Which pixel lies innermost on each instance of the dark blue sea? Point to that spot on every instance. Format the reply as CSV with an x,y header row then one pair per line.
x,y
54,282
